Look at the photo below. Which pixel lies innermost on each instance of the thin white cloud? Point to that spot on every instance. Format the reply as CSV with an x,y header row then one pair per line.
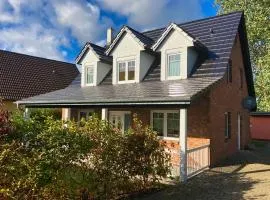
x,y
153,13
32,40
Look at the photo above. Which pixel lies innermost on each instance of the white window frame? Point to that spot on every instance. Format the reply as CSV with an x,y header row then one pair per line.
x,y
86,66
167,65
126,71
165,112
87,111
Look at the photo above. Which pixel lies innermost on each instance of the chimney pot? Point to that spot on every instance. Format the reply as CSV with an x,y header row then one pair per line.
x,y
109,36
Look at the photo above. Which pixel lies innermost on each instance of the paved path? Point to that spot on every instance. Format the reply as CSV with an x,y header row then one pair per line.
x,y
245,175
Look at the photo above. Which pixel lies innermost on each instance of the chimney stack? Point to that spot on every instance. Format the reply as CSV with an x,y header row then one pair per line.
x,y
109,36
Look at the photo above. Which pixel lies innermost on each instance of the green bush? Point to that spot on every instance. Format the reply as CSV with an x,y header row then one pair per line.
x,y
53,160
40,114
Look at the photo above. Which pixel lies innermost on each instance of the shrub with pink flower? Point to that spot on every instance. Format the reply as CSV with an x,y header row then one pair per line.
x,y
4,120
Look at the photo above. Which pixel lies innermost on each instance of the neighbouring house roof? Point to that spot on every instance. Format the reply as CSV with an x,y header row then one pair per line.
x,y
216,34
98,50
23,76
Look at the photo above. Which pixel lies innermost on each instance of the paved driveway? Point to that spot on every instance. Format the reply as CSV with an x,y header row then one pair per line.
x,y
245,175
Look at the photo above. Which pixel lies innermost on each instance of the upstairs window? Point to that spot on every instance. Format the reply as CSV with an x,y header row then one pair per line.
x,y
229,72
89,74
173,66
126,71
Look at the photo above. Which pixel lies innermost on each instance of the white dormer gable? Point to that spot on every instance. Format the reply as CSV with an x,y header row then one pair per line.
x,y
130,61
89,61
93,69
177,56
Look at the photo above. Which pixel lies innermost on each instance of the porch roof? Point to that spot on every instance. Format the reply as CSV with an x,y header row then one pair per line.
x,y
145,93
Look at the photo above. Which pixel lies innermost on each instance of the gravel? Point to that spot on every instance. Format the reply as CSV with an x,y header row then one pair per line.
x,y
246,175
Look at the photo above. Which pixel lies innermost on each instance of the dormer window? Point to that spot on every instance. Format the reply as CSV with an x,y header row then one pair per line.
x,y
173,66
126,71
89,69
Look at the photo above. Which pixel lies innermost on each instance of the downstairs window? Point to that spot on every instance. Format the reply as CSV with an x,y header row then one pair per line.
x,y
166,123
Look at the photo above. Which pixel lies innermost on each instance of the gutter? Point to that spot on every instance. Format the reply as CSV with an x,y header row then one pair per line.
x,y
40,104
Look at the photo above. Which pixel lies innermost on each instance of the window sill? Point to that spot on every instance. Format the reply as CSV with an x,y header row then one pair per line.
x,y
168,138
125,82
86,85
174,78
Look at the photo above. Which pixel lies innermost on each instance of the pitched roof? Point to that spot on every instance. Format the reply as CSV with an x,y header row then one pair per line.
x,y
143,40
152,92
217,34
23,76
98,50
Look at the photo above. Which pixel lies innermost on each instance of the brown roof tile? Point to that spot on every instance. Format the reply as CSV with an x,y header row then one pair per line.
x,y
23,76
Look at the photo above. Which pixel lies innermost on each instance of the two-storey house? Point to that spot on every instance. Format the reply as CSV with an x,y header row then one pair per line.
x,y
191,82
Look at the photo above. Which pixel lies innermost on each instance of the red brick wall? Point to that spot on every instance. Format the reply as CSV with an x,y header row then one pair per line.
x,y
198,118
173,147
227,97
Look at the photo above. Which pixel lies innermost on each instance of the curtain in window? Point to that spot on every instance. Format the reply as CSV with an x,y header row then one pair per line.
x,y
131,70
122,69
174,65
89,75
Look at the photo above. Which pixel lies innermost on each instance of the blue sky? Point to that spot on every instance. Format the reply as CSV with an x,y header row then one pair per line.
x,y
57,29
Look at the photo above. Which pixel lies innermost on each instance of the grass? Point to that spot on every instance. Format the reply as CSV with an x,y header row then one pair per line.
x,y
259,143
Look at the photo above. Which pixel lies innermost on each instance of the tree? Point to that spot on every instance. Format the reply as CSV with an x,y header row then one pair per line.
x,y
257,15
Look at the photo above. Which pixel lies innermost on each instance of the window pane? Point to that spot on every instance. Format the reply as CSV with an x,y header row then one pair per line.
x,y
89,74
158,119
83,115
174,65
173,124
131,70
122,69
127,120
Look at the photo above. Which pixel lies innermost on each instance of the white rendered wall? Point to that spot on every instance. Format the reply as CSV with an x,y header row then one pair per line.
x,y
127,49
146,62
89,59
176,42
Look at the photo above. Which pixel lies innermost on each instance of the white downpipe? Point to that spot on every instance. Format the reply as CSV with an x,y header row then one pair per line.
x,y
239,131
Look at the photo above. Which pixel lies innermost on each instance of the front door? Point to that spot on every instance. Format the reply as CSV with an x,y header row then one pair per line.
x,y
120,119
